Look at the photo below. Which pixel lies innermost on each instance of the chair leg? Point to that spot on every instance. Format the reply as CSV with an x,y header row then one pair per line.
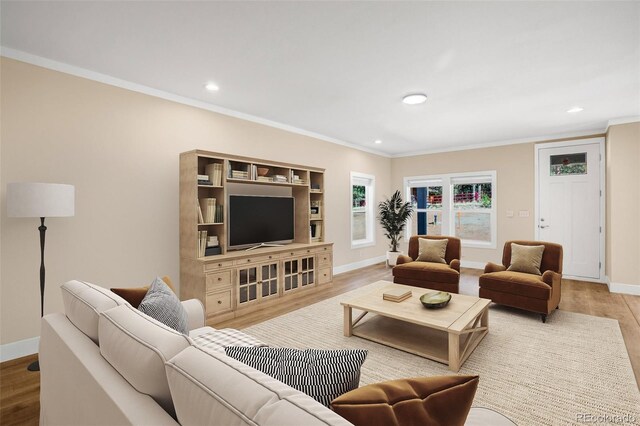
x,y
544,318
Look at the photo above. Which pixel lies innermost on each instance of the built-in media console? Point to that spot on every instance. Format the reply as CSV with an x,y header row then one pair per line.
x,y
251,232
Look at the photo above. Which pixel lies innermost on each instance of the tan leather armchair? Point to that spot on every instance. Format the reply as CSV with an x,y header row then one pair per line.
x,y
531,292
438,276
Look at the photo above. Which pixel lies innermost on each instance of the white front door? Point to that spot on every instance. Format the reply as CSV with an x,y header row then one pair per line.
x,y
569,204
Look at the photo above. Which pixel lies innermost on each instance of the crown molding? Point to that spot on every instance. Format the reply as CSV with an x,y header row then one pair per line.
x,y
135,87
622,120
537,139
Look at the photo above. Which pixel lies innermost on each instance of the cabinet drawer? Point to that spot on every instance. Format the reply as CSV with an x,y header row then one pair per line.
x,y
219,302
324,276
217,280
254,260
325,259
212,266
322,249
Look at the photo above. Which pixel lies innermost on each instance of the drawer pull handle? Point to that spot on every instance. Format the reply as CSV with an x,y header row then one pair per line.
x,y
220,264
219,302
219,278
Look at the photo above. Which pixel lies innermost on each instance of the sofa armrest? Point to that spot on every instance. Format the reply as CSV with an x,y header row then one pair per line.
x,y
494,267
195,313
455,264
403,258
552,278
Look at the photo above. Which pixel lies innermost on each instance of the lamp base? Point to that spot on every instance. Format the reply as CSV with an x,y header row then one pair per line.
x,y
34,366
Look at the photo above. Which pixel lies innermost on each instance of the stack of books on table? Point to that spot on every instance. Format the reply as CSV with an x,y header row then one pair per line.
x,y
207,210
239,174
396,295
280,178
204,180
214,173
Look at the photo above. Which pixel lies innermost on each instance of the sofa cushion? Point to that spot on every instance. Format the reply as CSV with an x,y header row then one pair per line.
x,y
321,374
83,303
134,295
137,346
432,250
518,283
438,401
217,340
526,258
210,388
427,271
162,304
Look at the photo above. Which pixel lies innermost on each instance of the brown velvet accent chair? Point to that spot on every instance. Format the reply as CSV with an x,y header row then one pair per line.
x,y
434,401
438,276
531,292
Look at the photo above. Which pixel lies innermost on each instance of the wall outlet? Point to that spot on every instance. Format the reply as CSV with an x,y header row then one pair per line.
x,y
523,213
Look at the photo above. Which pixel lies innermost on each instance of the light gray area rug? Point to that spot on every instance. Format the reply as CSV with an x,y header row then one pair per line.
x,y
556,373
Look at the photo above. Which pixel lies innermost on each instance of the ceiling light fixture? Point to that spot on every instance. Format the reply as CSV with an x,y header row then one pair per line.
x,y
377,141
212,87
575,109
415,99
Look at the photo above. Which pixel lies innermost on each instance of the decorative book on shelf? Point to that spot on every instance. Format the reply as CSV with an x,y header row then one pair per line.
x,y
207,210
202,243
214,173
316,210
396,295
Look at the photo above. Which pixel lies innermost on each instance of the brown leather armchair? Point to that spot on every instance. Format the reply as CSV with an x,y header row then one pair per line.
x,y
438,276
531,292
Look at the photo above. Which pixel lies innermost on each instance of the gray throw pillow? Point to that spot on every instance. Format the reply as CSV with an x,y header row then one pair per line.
x,y
322,374
526,258
432,250
161,304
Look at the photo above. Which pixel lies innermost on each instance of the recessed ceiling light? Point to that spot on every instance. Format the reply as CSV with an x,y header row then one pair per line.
x,y
212,87
575,109
377,141
415,99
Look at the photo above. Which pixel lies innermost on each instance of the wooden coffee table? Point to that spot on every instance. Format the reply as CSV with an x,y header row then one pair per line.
x,y
447,335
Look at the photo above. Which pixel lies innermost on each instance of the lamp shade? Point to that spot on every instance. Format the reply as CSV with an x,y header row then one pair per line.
x,y
29,199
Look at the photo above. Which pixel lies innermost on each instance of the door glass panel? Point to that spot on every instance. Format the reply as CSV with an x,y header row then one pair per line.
x,y
243,294
274,270
287,267
265,272
265,288
287,283
304,279
294,283
304,264
311,277
243,276
569,164
311,263
252,292
253,272
274,286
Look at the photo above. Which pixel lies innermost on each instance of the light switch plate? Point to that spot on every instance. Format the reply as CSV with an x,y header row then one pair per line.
x,y
523,213
509,213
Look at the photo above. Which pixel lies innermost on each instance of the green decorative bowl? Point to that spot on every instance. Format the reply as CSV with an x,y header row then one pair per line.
x,y
435,300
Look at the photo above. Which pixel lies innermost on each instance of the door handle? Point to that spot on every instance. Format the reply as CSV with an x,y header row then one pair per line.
x,y
543,226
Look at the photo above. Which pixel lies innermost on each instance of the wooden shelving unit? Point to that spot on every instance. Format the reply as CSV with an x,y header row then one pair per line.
x,y
232,282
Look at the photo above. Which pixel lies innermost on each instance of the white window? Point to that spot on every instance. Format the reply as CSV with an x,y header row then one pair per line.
x,y
362,210
458,204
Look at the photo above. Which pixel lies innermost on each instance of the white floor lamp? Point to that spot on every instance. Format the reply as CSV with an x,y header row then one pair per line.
x,y
27,199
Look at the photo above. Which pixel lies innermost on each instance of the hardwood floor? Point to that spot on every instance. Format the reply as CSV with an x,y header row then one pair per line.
x,y
20,389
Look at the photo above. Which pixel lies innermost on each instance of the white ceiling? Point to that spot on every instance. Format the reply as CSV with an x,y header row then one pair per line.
x,y
493,71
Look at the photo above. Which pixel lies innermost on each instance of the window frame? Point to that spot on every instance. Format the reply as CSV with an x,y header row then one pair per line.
x,y
369,182
447,180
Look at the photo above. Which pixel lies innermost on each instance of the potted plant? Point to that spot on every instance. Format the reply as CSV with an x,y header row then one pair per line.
x,y
393,214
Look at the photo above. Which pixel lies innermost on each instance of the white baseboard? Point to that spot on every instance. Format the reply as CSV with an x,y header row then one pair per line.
x,y
19,349
623,288
357,265
472,265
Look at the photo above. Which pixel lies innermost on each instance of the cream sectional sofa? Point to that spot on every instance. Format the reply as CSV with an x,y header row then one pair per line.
x,y
103,362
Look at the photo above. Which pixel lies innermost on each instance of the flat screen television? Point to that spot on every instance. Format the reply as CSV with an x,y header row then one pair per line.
x,y
255,220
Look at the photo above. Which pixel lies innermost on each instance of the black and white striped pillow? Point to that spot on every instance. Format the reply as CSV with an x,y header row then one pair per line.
x,y
322,374
161,304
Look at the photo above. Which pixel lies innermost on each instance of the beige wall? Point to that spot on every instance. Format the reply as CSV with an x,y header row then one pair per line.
x,y
120,149
514,166
623,204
